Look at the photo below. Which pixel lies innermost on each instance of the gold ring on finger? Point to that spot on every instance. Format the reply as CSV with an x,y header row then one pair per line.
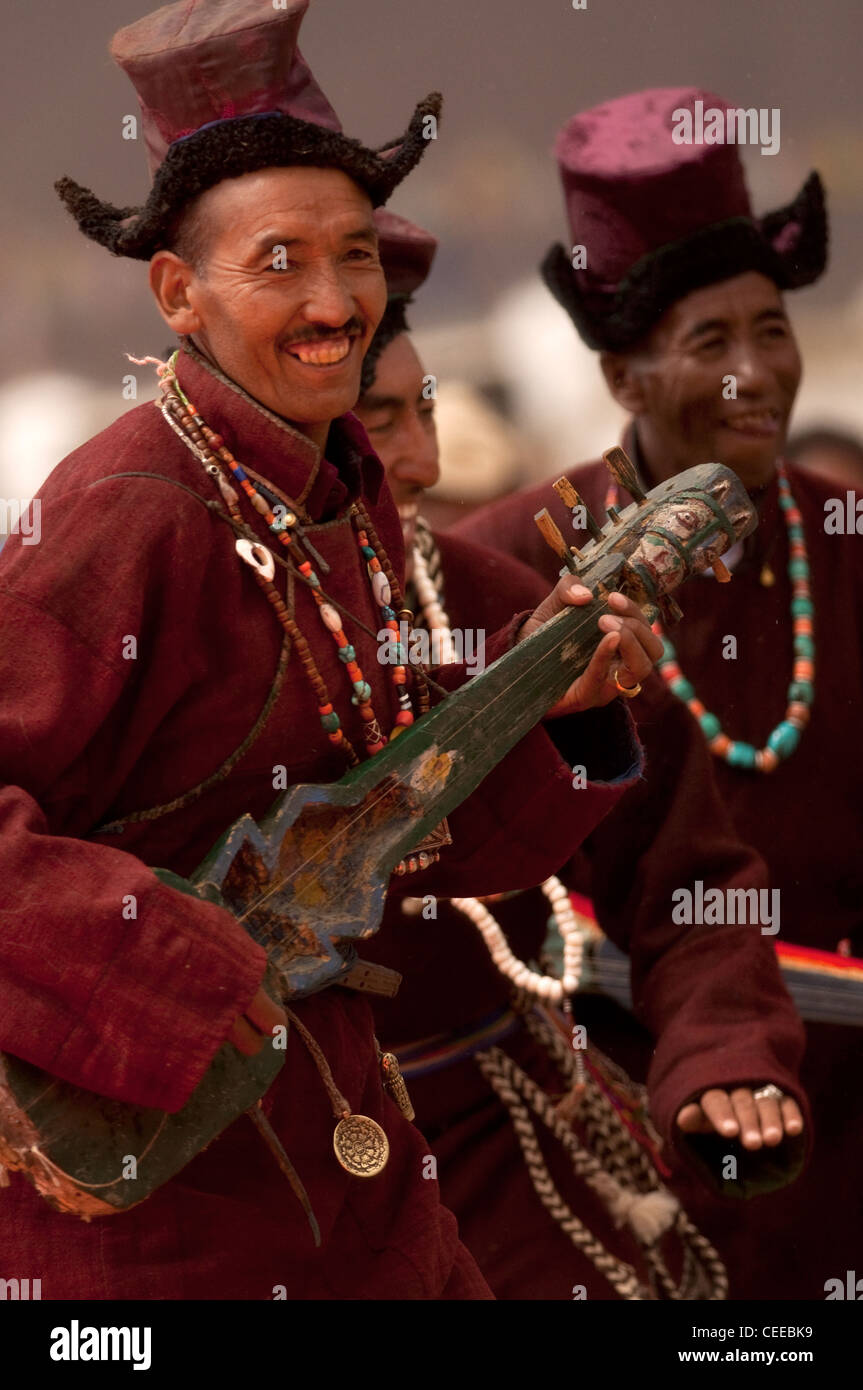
x,y
628,691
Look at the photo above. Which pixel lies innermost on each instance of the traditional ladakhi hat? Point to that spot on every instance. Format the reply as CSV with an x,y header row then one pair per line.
x,y
659,219
406,253
480,454
224,91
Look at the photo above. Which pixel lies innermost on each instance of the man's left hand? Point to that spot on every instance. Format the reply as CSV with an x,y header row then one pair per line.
x,y
756,1122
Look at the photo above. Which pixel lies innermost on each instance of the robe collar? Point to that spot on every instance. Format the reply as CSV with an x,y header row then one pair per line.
x,y
320,486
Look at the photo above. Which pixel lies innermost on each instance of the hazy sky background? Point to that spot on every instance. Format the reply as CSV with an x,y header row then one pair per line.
x,y
511,72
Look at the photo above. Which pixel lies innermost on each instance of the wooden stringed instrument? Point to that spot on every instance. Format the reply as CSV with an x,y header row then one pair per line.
x,y
310,880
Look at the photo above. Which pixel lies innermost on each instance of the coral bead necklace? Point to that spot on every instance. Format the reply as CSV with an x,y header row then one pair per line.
x,y
211,448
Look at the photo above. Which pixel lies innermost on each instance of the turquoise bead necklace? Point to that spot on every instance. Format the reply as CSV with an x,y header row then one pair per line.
x,y
785,738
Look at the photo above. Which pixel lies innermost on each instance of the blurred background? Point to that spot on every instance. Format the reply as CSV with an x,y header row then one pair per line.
x,y
511,71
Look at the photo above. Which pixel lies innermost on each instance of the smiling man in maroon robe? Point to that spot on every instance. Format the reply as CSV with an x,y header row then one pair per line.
x,y
679,286
152,695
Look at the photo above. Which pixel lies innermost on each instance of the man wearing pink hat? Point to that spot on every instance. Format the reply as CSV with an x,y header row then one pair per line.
x,y
678,285
194,633
712,1000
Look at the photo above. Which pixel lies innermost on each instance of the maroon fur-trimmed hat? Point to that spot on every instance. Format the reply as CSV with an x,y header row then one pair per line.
x,y
406,253
659,217
225,91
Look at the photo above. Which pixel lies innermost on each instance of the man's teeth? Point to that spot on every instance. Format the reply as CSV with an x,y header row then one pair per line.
x,y
322,354
754,419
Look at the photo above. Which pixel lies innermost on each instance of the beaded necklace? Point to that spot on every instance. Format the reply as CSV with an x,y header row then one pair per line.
x,y
784,739
211,446
436,619
546,987
210,449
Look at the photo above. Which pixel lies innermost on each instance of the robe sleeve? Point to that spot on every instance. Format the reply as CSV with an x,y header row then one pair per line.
x,y
108,979
712,996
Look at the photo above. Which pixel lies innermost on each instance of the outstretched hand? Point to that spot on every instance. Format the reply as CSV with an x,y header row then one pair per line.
x,y
628,650
761,1122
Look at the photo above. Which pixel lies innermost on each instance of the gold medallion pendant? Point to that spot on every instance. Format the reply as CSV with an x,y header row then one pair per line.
x,y
361,1146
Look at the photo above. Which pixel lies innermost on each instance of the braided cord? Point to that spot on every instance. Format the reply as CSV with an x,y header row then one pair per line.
x,y
507,1079
613,1164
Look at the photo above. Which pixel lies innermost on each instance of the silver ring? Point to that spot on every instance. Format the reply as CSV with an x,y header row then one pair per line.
x,y
769,1092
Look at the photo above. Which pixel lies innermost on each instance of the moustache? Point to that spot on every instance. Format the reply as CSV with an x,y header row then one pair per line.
x,y
323,333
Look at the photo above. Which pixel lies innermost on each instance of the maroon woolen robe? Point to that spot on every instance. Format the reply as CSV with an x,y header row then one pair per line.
x,y
95,726
712,997
805,819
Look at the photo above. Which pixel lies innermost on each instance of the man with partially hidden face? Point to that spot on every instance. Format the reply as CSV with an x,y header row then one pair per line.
x,y
680,288
699,990
153,695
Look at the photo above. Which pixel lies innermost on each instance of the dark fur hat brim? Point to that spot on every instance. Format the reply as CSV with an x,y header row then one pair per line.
x,y
789,246
230,148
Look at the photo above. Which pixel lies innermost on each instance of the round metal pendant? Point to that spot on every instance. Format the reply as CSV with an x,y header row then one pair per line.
x,y
361,1146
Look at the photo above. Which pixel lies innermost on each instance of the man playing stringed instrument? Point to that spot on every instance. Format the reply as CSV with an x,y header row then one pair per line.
x,y
712,998
679,286
195,631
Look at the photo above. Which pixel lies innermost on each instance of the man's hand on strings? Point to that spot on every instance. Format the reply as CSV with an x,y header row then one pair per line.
x,y
627,651
754,1119
254,1028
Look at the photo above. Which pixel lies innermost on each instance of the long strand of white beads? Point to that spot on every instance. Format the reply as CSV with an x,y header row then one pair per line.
x,y
408,513
433,612
515,970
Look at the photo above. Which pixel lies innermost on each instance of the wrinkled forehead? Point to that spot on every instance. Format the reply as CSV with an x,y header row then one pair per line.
x,y
310,204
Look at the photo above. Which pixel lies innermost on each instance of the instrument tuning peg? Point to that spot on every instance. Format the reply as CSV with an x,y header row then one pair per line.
x,y
570,497
552,536
566,492
624,473
630,580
